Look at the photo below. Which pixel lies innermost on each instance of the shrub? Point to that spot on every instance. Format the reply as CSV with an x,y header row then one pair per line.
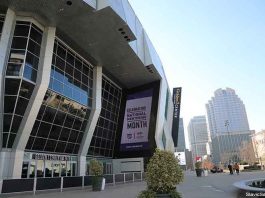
x,y
175,194
163,172
96,167
147,194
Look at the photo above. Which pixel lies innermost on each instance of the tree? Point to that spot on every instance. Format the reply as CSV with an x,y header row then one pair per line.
x,y
247,153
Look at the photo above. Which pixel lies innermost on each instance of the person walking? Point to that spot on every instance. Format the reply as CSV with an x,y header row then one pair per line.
x,y
237,168
230,169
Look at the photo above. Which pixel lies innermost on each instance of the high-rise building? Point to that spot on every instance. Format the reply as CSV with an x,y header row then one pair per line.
x,y
228,125
78,80
199,137
226,112
181,146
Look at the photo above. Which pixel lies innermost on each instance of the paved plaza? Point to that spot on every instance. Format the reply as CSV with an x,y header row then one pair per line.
x,y
213,186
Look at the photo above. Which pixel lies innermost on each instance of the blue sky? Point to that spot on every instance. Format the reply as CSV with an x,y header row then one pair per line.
x,y
209,44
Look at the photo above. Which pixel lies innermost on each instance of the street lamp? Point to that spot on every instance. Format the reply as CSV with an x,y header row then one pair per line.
x,y
229,140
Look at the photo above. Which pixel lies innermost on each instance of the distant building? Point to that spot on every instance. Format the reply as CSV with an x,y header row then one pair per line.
x,y
258,140
198,136
226,112
226,147
181,146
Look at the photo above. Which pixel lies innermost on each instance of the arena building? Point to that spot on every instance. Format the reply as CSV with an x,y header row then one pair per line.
x,y
79,80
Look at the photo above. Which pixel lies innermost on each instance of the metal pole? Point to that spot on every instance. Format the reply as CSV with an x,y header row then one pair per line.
x,y
34,185
61,184
1,184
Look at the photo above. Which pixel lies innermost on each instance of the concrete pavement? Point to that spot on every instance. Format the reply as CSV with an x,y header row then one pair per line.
x,y
219,185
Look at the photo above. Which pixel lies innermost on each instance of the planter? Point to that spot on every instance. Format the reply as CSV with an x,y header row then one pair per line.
x,y
97,182
163,196
198,172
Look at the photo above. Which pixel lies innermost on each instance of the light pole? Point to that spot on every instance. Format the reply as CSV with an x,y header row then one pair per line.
x,y
229,139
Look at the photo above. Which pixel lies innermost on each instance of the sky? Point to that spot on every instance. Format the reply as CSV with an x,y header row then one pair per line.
x,y
209,44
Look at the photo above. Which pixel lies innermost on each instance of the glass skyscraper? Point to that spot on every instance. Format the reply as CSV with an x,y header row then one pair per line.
x,y
198,136
228,125
226,112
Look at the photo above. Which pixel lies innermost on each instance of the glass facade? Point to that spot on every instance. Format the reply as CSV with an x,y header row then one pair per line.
x,y
2,19
21,73
103,140
71,76
66,107
25,51
48,168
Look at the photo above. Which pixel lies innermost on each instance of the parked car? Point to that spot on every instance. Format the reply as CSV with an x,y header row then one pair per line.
x,y
216,169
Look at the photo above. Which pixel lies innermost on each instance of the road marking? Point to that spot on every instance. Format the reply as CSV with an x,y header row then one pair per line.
x,y
219,190
215,189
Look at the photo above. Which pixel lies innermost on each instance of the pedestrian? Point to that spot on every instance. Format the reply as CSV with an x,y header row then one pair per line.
x,y
237,168
230,169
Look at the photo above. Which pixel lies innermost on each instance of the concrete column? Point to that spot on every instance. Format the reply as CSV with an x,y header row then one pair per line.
x,y
160,118
5,44
93,119
35,102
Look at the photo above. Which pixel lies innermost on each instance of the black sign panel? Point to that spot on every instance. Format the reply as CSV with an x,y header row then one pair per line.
x,y
176,111
42,156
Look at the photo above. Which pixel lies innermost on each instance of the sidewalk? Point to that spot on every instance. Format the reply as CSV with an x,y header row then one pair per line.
x,y
129,190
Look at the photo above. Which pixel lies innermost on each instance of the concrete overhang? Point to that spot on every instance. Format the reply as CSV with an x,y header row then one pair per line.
x,y
96,34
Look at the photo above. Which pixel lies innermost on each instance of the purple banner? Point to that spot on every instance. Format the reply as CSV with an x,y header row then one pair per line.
x,y
136,121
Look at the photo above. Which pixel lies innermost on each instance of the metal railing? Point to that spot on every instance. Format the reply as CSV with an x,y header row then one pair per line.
x,y
34,185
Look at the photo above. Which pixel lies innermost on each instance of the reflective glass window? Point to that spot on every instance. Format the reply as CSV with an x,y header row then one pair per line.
x,y
40,168
61,51
55,132
69,148
50,145
56,169
14,69
64,134
26,89
33,47
19,43
60,147
38,144
5,138
17,56
22,30
105,132
32,60
69,121
44,130
30,73
11,86
59,118
48,168
16,123
49,114
35,128
36,34
73,136
11,139
7,122
10,102
57,86
22,104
